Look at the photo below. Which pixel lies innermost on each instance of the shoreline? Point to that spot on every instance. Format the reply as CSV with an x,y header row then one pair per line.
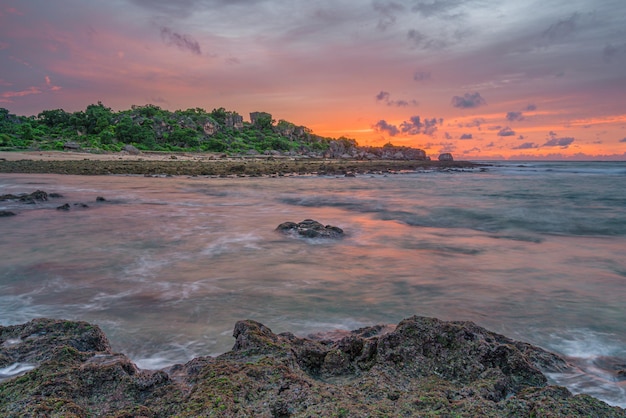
x,y
206,164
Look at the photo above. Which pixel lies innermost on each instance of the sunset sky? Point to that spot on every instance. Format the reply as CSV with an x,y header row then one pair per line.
x,y
478,78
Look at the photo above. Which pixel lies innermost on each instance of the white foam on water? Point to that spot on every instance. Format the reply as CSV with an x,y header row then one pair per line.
x,y
15,369
585,350
232,243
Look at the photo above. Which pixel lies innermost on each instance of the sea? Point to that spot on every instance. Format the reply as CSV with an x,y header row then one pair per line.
x,y
167,265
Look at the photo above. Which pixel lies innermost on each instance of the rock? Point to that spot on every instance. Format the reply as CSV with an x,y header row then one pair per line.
x,y
311,229
446,156
423,367
5,213
71,146
37,195
100,199
64,207
131,149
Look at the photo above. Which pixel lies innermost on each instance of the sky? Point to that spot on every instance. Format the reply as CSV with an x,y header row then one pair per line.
x,y
482,79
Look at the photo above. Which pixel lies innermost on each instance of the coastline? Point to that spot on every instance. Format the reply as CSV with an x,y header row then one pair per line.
x,y
205,164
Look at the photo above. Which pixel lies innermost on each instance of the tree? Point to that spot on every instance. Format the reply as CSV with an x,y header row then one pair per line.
x,y
56,118
97,118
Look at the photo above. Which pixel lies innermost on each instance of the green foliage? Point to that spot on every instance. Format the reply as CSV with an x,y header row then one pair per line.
x,y
149,127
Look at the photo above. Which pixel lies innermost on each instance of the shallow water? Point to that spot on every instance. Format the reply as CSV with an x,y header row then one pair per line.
x,y
166,266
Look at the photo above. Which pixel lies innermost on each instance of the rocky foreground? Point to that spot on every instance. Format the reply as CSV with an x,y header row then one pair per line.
x,y
422,367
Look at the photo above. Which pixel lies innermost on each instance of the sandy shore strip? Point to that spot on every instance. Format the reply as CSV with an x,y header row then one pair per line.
x,y
204,164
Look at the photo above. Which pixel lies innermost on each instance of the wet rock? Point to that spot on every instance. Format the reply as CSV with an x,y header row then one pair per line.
x,y
65,207
5,213
38,195
311,229
100,199
422,367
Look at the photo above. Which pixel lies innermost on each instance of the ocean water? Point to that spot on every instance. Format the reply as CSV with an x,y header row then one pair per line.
x,y
167,265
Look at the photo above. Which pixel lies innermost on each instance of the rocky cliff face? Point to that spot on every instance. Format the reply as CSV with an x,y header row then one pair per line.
x,y
421,367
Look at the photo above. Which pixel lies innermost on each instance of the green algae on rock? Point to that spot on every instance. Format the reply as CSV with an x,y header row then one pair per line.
x,y
422,367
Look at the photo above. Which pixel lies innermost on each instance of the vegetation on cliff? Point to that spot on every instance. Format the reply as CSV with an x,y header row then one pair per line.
x,y
151,128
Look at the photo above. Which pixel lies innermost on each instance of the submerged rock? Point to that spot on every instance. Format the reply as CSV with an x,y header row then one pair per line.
x,y
423,367
311,229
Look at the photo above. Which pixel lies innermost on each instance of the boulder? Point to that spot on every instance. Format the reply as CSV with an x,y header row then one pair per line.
x,y
310,229
131,149
71,146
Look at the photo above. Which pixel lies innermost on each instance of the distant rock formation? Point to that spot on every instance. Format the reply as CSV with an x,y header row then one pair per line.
x,y
256,118
421,367
446,156
233,120
348,149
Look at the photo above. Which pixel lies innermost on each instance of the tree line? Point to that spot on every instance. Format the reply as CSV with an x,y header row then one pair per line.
x,y
151,128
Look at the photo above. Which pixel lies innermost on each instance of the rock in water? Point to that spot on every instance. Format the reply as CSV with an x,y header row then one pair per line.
x,y
423,367
311,229
446,156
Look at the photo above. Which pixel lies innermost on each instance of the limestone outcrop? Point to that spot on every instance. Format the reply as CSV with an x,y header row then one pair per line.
x,y
421,367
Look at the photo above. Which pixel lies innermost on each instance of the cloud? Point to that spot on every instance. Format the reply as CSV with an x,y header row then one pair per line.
x,y
421,75
415,125
514,116
431,8
466,136
21,93
383,126
421,41
183,42
561,29
475,123
447,147
611,51
468,100
506,132
447,135
622,140
385,97
531,107
387,11
526,145
559,142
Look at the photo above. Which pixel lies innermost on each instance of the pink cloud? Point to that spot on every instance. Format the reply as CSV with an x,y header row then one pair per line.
x,y
21,93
